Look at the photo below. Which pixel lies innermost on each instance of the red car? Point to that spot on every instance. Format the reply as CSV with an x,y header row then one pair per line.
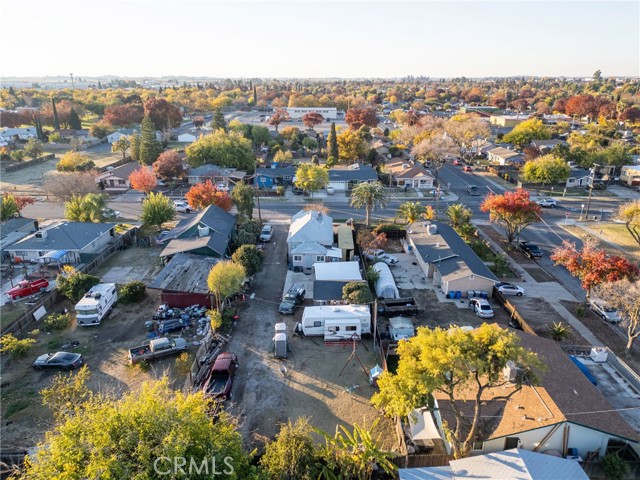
x,y
467,168
457,163
220,378
25,288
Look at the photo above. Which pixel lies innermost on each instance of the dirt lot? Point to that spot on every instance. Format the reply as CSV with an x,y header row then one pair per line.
x,y
263,397
104,349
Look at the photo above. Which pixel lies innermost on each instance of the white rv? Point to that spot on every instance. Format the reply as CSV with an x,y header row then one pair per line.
x,y
336,322
96,304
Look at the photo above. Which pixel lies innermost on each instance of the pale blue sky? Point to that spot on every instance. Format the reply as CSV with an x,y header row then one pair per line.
x,y
319,39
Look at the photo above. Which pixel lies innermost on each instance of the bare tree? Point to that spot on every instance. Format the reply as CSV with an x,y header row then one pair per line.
x,y
435,150
625,297
467,132
62,186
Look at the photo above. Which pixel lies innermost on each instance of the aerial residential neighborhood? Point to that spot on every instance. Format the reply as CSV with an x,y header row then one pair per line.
x,y
351,266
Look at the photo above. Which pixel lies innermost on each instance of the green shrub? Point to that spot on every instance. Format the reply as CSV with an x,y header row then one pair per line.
x,y
614,467
14,347
559,331
75,284
582,310
132,292
56,321
280,190
357,292
388,227
250,258
482,249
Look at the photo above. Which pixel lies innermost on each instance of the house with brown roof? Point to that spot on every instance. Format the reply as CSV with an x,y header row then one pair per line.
x,y
117,179
409,174
566,412
504,156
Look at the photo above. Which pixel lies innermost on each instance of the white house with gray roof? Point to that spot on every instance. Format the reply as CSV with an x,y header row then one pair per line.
x,y
69,242
310,239
447,260
342,179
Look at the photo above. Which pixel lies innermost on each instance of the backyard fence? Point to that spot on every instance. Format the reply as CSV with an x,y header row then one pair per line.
x,y
30,163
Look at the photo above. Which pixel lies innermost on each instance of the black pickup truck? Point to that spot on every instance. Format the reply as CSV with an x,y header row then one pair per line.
x,y
530,250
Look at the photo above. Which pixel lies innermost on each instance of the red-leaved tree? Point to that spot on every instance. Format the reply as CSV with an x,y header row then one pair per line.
x,y
23,200
513,211
312,119
168,165
278,117
591,265
357,117
204,194
143,180
165,115
123,115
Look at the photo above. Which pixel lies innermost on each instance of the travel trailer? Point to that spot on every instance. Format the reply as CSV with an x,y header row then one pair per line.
x,y
96,304
336,322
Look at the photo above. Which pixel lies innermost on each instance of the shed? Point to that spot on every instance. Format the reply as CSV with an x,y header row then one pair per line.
x,y
386,285
183,281
345,241
401,328
338,271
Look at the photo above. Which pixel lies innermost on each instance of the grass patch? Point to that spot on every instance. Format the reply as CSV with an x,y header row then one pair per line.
x,y
614,235
54,343
16,407
8,313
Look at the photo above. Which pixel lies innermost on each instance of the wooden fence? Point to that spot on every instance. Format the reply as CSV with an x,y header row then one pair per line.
x,y
29,163
514,315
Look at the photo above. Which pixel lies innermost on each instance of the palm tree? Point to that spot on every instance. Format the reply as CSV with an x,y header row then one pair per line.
x,y
368,195
411,211
458,215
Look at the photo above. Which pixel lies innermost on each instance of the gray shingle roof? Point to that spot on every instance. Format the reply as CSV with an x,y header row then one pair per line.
x,y
13,224
327,290
65,236
276,172
447,249
213,217
123,171
363,174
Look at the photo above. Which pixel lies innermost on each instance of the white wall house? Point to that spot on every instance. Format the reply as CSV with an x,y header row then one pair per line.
x,y
310,239
297,113
187,138
14,134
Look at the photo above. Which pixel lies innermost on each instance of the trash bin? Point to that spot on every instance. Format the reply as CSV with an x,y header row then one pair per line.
x,y
469,293
458,294
452,294
477,293
484,295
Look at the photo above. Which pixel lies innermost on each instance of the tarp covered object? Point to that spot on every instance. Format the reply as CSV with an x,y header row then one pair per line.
x,y
386,285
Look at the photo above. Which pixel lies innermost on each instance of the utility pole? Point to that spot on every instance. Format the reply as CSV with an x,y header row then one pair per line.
x,y
71,75
592,178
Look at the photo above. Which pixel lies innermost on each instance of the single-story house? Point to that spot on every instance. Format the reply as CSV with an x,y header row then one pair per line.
x,y
14,230
310,239
557,414
215,173
344,178
504,156
630,175
183,281
507,120
67,242
207,233
545,146
555,119
11,135
578,177
127,132
448,260
187,138
409,174
117,179
508,464
275,175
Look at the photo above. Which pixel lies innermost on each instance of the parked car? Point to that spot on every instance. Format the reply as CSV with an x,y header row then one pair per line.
x,y
220,378
330,190
601,308
182,207
157,348
381,255
294,296
171,325
531,250
26,288
297,190
473,190
109,213
547,203
58,360
266,233
457,163
481,307
467,168
222,187
509,289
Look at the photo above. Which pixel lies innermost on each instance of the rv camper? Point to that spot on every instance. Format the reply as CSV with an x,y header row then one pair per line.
x,y
96,304
336,322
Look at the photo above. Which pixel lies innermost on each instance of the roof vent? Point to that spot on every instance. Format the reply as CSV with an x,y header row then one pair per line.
x,y
41,235
203,231
405,165
432,229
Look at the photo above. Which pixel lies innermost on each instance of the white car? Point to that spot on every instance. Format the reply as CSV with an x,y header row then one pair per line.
x,y
222,187
548,203
109,213
266,233
602,309
382,256
481,308
182,207
509,289
330,190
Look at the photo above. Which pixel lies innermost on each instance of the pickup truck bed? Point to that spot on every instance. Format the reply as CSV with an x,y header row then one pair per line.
x,y
406,305
217,385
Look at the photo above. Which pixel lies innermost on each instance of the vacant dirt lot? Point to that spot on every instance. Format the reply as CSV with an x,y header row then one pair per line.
x,y
104,348
263,397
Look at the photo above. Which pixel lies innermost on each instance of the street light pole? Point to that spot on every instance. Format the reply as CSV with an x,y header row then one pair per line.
x,y
581,210
592,177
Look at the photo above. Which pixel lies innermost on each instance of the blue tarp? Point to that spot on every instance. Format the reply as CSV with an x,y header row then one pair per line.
x,y
55,254
584,369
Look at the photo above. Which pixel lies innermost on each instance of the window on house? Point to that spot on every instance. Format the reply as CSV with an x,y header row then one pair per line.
x,y
320,258
351,329
511,442
477,445
297,258
317,323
